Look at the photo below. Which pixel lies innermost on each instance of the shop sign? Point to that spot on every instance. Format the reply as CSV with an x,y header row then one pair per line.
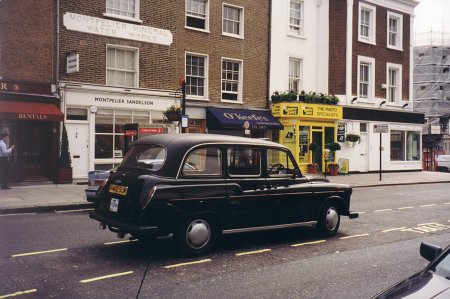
x,y
73,63
130,132
32,116
150,131
381,128
23,87
310,111
343,166
112,28
340,131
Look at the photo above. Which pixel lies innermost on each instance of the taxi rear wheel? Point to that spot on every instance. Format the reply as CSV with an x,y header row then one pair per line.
x,y
329,220
196,235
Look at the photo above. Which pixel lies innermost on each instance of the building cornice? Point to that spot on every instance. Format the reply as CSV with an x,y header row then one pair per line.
x,y
404,6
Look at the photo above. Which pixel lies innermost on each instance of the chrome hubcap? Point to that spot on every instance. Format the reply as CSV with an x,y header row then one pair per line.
x,y
198,234
332,218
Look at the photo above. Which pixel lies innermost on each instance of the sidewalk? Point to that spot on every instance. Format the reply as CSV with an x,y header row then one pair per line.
x,y
40,197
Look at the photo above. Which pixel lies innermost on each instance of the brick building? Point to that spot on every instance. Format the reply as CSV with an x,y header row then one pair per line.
x,y
121,64
29,104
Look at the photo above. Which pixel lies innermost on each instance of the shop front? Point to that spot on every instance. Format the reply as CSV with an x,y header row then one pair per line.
x,y
241,122
33,127
308,130
98,122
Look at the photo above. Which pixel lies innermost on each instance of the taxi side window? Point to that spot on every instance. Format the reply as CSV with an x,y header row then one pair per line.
x,y
204,161
279,163
244,161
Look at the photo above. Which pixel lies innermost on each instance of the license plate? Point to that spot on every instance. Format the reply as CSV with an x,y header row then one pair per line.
x,y
121,190
114,205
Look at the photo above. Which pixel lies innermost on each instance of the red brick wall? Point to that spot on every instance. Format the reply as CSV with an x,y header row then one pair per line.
x,y
27,41
380,52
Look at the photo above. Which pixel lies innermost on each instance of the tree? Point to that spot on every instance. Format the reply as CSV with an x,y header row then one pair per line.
x,y
64,159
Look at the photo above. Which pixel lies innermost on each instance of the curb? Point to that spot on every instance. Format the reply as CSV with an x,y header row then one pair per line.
x,y
46,209
399,184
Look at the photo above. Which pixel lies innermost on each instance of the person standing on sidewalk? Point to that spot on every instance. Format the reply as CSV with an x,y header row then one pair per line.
x,y
5,152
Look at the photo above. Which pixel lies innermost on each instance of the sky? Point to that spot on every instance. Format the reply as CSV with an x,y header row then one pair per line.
x,y
432,15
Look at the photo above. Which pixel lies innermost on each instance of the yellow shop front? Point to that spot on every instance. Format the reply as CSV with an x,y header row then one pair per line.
x,y
306,124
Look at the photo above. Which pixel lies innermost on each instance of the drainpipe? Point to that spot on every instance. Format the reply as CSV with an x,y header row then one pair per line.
x,y
349,52
269,49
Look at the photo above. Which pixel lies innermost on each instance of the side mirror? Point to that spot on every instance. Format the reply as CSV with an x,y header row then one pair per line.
x,y
429,251
297,173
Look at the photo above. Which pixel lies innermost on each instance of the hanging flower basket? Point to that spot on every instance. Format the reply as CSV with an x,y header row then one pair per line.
x,y
173,113
352,139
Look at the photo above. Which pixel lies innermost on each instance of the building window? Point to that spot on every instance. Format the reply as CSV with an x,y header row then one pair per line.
x,y
367,19
232,80
296,17
366,76
122,66
196,75
197,14
405,145
233,21
295,67
123,8
395,29
394,80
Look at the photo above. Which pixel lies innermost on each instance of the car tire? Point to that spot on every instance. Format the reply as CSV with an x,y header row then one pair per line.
x,y
329,219
196,235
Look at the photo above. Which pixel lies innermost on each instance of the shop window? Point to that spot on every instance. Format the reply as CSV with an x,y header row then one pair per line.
x,y
304,153
279,163
76,114
244,161
197,14
405,146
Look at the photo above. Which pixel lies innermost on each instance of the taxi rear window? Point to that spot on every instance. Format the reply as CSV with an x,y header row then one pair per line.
x,y
151,157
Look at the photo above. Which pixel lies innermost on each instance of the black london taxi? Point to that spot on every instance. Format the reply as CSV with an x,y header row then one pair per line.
x,y
200,186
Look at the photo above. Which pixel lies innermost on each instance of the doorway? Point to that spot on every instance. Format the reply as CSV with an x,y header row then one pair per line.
x,y
34,149
317,155
78,135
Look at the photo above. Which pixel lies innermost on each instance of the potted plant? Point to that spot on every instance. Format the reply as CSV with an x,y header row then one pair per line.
x,y
173,113
312,168
333,169
65,162
302,96
352,139
276,98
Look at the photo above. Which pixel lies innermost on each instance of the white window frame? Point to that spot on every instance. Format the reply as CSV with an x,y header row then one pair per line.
x,y
241,20
240,82
301,27
371,82
371,39
136,17
206,29
136,64
300,74
399,37
398,86
206,76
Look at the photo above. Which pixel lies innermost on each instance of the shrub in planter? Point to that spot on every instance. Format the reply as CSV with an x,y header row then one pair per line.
x,y
65,162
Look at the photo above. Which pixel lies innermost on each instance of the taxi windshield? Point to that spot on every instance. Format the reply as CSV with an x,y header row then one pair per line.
x,y
151,157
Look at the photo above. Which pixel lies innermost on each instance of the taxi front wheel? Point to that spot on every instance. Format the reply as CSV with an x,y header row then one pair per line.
x,y
329,220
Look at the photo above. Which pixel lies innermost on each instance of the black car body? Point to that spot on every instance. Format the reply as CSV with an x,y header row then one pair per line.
x,y
431,282
198,186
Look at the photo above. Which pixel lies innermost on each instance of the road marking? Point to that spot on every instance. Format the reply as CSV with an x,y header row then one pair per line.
x,y
361,212
308,243
430,205
354,236
120,242
427,228
20,214
18,293
384,210
405,208
78,210
39,252
106,277
447,203
253,252
392,229
188,264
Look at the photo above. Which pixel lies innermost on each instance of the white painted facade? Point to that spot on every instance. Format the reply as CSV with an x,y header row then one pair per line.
x,y
122,104
311,46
